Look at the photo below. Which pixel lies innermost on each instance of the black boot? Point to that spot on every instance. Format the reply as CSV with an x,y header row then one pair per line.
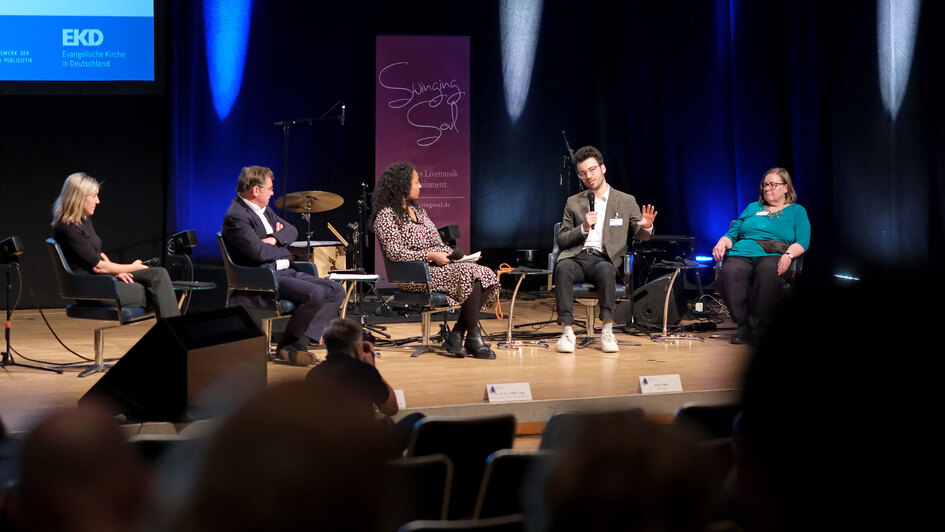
x,y
454,340
476,347
742,334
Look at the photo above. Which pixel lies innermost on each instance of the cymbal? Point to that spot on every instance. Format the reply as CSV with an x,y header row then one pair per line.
x,y
309,201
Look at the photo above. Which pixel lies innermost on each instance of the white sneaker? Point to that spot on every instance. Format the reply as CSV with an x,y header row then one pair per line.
x,y
566,343
608,342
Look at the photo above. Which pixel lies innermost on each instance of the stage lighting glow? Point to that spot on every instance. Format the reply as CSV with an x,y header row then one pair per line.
x,y
897,22
519,21
846,277
704,258
226,31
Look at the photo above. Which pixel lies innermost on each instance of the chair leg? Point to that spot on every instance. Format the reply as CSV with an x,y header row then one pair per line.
x,y
99,364
426,323
267,330
590,313
425,334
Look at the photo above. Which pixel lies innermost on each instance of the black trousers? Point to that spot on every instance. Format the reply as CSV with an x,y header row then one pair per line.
x,y
152,289
751,287
585,267
316,301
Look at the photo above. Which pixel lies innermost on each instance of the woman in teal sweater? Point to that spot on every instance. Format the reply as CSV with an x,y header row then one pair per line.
x,y
761,244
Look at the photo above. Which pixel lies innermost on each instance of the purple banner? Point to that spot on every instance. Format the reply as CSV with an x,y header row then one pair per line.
x,y
422,117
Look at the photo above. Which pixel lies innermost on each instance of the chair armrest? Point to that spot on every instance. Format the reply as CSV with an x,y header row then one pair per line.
x,y
797,264
251,278
307,267
552,260
98,287
408,272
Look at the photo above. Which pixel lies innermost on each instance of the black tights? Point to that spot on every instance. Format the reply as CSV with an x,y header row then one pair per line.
x,y
469,308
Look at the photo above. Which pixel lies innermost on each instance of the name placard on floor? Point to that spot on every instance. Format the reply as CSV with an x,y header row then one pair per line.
x,y
508,392
401,402
660,383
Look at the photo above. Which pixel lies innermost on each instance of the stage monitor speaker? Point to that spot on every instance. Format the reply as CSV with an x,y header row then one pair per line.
x,y
165,375
648,302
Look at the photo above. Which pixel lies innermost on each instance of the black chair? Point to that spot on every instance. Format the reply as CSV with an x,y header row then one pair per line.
x,y
421,486
260,279
705,421
501,490
562,427
417,273
790,277
467,441
508,523
586,293
96,298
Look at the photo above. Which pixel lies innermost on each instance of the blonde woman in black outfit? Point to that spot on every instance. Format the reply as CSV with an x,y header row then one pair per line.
x,y
140,285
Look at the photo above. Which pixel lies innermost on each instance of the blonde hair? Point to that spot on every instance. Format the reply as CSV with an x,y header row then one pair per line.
x,y
67,209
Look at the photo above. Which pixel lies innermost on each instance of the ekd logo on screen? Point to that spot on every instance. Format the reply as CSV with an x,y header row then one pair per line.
x,y
76,37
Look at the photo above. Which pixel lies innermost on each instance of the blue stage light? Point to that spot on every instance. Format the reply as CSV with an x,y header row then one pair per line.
x,y
897,22
846,277
704,258
226,30
519,21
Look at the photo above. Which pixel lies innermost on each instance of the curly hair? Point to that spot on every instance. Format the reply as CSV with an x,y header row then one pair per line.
x,y
391,190
586,152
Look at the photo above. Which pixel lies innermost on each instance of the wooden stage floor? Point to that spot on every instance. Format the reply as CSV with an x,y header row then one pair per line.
x,y
710,371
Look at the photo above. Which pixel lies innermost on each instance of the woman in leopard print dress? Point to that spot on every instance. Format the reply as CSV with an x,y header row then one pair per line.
x,y
406,233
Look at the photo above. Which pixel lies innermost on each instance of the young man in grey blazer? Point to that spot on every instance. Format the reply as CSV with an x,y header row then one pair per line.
x,y
593,242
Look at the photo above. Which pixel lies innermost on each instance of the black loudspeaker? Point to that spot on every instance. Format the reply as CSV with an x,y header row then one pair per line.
x,y
165,375
648,302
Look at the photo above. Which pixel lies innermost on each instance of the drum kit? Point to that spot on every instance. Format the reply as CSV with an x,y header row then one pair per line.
x,y
311,201
329,256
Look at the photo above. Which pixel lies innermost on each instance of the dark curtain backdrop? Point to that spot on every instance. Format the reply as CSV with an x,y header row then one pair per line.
x,y
689,101
120,140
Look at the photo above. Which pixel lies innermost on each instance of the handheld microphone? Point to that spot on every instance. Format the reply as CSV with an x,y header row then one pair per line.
x,y
590,200
456,254
153,261
342,114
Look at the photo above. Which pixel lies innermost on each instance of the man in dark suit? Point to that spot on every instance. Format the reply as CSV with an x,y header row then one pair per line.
x,y
255,236
593,243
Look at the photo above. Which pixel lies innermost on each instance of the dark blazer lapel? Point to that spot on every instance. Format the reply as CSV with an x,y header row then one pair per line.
x,y
271,217
614,238
254,219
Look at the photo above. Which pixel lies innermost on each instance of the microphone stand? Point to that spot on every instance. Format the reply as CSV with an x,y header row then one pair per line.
x,y
286,126
6,359
361,241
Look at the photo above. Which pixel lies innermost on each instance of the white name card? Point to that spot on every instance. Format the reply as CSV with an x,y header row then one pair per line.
x,y
660,383
401,402
508,392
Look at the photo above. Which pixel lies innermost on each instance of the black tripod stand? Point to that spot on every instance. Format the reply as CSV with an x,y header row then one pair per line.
x,y
359,240
9,255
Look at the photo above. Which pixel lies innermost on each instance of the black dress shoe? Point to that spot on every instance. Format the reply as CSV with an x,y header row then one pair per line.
x,y
302,358
475,347
282,353
741,335
296,355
